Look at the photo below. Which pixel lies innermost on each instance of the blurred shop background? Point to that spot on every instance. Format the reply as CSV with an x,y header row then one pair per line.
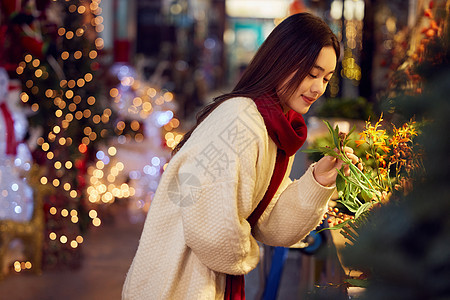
x,y
94,95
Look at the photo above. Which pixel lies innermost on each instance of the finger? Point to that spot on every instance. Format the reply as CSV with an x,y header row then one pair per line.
x,y
353,158
346,170
348,150
360,166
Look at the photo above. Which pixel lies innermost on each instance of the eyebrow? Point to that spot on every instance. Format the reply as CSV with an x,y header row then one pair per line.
x,y
322,69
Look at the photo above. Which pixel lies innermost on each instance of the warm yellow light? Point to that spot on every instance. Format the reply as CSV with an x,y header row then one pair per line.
x,y
87,130
169,136
67,186
24,97
69,35
45,146
137,101
86,140
96,119
112,151
139,137
78,54
87,113
28,58
91,100
168,96
53,210
111,178
99,43
50,155
29,83
81,82
79,32
52,236
61,31
71,84
98,174
93,136
120,125
88,77
69,94
93,214
99,28
79,239
17,266
72,8
48,93
78,115
19,70
58,113
135,125
64,212
96,222
57,165
36,62
51,137
73,244
114,92
69,165
92,54
38,73
74,219
73,193
100,164
81,9
65,55
35,107
120,166
63,239
63,83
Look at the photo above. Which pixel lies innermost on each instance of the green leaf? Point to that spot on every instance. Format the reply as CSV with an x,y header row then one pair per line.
x,y
333,134
340,183
357,282
351,206
338,226
362,209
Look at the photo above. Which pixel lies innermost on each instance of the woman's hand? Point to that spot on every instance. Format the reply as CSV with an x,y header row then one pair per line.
x,y
325,170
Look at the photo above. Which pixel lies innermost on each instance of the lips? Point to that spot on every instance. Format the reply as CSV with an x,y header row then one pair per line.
x,y
308,99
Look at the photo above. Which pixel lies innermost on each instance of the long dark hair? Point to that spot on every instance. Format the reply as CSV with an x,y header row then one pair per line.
x,y
293,46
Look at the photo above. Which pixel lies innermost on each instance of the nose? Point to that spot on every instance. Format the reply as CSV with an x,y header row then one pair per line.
x,y
318,87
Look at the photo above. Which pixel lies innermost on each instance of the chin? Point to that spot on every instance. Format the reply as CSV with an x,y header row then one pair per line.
x,y
302,110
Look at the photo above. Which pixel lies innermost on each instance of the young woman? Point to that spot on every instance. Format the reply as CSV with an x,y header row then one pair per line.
x,y
227,185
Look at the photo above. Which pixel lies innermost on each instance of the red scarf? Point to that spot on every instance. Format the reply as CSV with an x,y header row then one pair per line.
x,y
289,133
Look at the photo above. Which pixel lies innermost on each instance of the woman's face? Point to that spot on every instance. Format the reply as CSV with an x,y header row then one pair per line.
x,y
314,84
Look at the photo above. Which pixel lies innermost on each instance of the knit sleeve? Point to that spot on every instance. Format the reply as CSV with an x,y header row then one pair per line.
x,y
220,165
298,209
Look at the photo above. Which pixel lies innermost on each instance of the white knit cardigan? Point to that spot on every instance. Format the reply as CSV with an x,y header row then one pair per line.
x,y
196,229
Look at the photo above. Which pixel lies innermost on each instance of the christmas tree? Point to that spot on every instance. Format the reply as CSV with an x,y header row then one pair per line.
x,y
56,60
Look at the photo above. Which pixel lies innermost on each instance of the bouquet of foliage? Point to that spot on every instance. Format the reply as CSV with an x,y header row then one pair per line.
x,y
391,160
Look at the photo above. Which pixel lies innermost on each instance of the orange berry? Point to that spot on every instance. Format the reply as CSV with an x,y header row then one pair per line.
x,y
430,32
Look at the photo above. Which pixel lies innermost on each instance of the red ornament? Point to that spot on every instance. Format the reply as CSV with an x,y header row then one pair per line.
x,y
297,7
33,45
